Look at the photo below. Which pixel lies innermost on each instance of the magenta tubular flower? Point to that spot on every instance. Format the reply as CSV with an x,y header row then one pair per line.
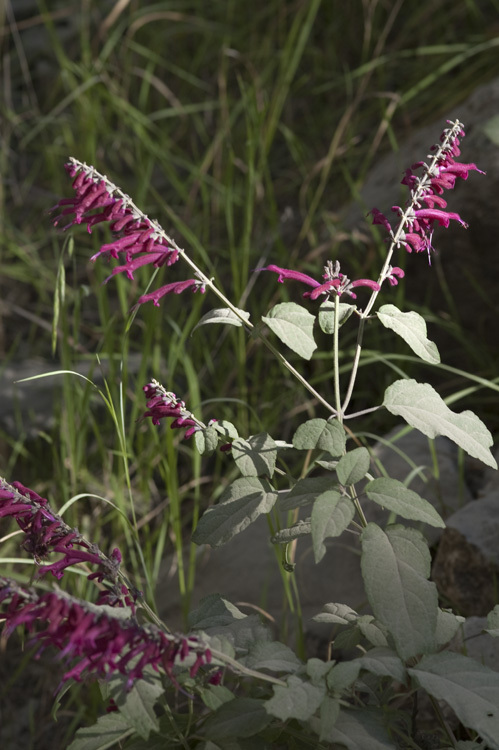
x,y
140,240
91,640
162,403
45,532
335,282
416,226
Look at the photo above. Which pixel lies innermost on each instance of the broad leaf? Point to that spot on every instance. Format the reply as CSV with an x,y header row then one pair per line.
x,y
385,663
300,528
294,325
215,696
343,675
137,704
255,456
421,407
241,504
241,717
340,614
274,656
226,429
412,328
329,712
395,568
326,315
493,622
206,441
106,732
331,515
372,630
304,492
353,466
358,730
396,497
447,626
470,689
223,315
318,433
298,700
213,611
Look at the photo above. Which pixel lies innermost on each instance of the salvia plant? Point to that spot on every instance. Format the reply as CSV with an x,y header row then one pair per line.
x,y
227,683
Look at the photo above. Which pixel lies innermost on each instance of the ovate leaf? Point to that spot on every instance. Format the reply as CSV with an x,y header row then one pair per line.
x,y
241,504
470,689
326,315
395,567
493,622
274,656
412,328
255,456
340,614
294,325
331,515
206,441
318,433
421,407
353,466
385,663
396,497
298,700
304,492
223,315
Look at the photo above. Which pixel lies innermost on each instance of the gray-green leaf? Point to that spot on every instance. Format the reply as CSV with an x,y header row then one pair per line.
x,y
241,717
298,700
421,406
294,325
318,433
412,328
395,567
241,504
223,315
353,466
108,730
305,492
331,515
384,662
396,497
326,315
255,456
206,441
358,730
470,689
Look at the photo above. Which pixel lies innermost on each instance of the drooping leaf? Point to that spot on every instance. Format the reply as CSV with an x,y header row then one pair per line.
x,y
395,496
213,610
421,407
300,528
255,456
470,689
304,492
273,656
318,433
326,315
106,732
329,712
215,696
241,717
223,315
412,328
298,700
372,630
294,325
353,466
331,515
359,730
241,504
343,675
395,568
206,441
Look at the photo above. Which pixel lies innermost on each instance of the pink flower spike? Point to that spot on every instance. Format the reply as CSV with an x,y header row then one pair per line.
x,y
367,282
285,273
380,218
394,274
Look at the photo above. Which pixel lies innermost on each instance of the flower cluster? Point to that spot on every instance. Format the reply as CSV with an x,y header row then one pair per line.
x,y
425,207
96,641
141,240
45,532
335,282
162,403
